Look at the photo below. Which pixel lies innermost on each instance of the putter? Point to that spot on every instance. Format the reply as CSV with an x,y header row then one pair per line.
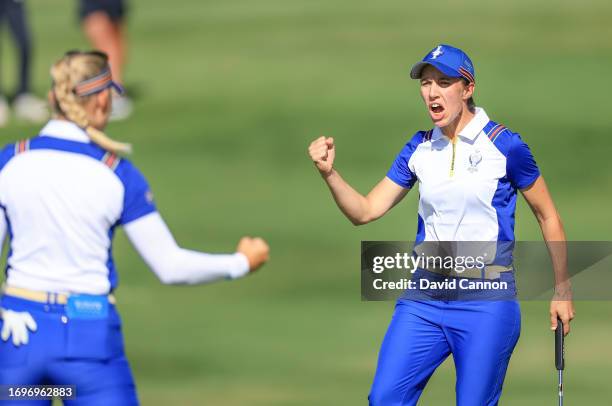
x,y
560,357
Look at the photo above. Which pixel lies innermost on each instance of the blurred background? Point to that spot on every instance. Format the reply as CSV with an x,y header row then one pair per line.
x,y
227,95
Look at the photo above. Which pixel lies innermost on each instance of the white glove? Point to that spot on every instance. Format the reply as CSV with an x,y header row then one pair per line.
x,y
16,324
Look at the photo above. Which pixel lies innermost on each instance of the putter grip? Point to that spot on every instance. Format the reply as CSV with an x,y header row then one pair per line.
x,y
559,348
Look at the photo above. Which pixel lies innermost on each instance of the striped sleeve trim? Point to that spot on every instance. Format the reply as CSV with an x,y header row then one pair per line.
x,y
495,131
111,160
22,146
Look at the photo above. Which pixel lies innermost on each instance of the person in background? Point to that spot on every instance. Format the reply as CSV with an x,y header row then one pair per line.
x,y
25,105
103,22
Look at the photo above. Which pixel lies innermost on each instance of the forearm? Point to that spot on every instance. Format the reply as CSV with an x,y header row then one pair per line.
x,y
183,266
540,201
175,265
357,208
353,204
561,305
554,235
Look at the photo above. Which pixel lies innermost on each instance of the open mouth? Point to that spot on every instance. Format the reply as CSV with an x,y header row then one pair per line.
x,y
436,108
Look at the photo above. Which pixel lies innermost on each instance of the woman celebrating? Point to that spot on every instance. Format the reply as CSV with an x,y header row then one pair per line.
x,y
469,170
63,193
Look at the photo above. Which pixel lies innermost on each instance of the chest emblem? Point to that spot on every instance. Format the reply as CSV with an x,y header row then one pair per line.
x,y
475,159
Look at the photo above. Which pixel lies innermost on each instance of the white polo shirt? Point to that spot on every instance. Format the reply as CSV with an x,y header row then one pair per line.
x,y
62,197
467,188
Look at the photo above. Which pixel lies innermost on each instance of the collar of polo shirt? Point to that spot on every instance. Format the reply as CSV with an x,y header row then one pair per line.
x,y
64,129
471,130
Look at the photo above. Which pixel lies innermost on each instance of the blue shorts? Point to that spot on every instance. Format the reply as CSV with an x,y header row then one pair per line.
x,y
86,353
480,335
114,9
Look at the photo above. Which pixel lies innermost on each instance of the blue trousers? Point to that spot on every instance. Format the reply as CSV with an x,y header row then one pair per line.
x,y
480,335
86,353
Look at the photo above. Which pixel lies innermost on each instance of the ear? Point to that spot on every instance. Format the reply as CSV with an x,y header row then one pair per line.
x,y
103,100
53,104
468,91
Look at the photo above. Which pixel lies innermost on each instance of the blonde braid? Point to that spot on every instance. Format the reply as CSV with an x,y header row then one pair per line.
x,y
66,74
106,142
65,97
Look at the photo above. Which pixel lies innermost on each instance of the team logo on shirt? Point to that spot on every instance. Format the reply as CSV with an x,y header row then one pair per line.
x,y
475,159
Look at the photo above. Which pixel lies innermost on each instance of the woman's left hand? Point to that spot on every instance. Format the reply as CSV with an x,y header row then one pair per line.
x,y
563,309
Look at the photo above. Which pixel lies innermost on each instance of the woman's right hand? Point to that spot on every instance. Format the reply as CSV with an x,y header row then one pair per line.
x,y
255,249
322,152
16,325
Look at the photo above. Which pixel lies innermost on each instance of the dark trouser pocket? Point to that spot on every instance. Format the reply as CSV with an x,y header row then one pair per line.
x,y
94,339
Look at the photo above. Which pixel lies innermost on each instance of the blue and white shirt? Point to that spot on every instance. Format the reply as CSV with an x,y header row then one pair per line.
x,y
467,188
62,196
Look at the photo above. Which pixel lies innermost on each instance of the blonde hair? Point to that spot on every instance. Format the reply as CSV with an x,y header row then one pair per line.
x,y
73,68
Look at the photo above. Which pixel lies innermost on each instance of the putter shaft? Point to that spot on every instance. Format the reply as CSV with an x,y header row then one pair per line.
x,y
560,387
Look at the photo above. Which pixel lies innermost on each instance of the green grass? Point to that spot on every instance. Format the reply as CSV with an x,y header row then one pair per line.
x,y
233,92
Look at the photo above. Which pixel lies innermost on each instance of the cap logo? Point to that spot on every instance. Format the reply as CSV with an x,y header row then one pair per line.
x,y
437,52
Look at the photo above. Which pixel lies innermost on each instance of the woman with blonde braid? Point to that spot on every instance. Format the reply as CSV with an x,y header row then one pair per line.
x,y
63,193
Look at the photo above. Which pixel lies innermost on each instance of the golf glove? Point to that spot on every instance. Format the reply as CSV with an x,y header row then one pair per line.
x,y
16,324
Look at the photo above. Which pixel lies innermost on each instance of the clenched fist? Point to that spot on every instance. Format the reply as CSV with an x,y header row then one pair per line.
x,y
256,250
322,152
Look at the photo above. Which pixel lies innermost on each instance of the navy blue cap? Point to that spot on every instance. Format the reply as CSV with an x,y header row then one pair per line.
x,y
447,59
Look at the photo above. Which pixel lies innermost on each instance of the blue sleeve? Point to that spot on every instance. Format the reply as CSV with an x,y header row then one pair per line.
x,y
137,199
521,166
399,172
6,154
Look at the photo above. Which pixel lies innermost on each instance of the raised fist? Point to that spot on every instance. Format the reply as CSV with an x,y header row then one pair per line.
x,y
255,249
322,152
